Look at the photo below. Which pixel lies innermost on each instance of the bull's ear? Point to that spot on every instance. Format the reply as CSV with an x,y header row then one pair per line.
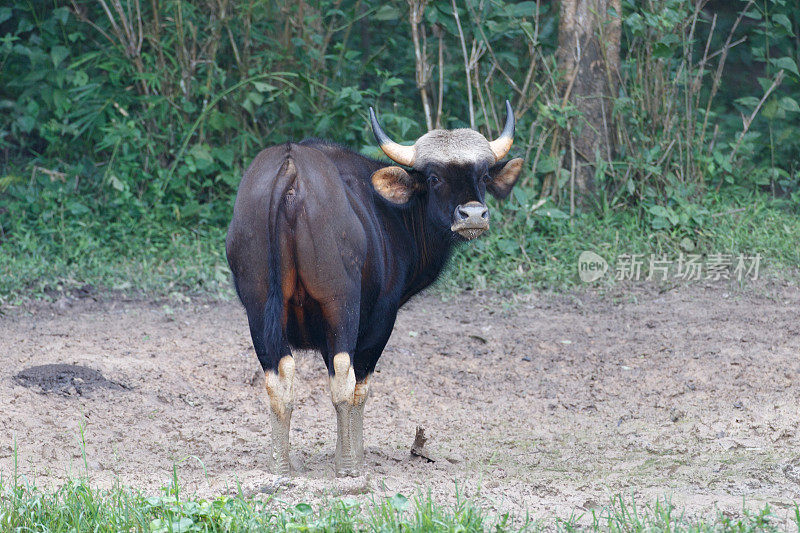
x,y
504,177
394,184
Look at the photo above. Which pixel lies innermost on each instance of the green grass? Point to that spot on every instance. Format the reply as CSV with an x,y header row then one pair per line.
x,y
151,260
527,252
77,507
157,256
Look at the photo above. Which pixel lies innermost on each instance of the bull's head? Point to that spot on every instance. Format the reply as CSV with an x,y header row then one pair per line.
x,y
454,168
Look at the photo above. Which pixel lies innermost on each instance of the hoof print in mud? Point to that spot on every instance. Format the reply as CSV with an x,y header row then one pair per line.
x,y
64,380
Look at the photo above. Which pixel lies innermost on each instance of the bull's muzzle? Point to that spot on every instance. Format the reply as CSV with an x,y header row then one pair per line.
x,y
470,220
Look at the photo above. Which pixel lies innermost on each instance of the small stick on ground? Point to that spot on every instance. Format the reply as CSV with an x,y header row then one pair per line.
x,y
418,448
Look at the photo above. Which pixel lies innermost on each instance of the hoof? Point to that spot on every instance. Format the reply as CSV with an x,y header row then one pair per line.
x,y
281,482
282,470
348,472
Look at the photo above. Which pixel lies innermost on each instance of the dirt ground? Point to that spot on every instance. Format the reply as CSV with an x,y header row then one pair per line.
x,y
544,403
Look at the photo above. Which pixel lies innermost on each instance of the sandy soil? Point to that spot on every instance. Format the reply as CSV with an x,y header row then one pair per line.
x,y
544,403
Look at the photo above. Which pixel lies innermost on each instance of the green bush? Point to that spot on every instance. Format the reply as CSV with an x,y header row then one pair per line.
x,y
126,124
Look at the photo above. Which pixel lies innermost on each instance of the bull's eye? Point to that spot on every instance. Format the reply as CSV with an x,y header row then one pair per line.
x,y
433,180
486,178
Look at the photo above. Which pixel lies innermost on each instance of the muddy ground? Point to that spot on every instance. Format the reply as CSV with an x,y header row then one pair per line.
x,y
544,403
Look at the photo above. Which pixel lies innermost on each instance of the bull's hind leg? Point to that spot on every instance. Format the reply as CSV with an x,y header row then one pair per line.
x,y
349,398
280,389
357,419
350,409
278,365
343,386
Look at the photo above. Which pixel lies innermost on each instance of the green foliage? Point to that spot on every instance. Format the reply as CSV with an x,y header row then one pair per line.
x,y
772,145
165,121
688,121
76,506
540,250
124,132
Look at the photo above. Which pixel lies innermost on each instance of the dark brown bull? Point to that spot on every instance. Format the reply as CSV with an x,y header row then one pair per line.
x,y
325,245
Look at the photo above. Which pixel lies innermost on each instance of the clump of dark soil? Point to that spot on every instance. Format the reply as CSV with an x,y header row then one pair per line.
x,y
66,380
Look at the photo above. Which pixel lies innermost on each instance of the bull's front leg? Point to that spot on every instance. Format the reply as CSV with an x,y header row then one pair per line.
x,y
280,389
348,399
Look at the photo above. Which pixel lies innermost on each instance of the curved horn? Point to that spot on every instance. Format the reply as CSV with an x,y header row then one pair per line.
x,y
396,152
502,144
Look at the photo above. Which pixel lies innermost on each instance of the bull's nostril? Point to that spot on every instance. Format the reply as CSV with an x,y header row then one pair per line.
x,y
472,212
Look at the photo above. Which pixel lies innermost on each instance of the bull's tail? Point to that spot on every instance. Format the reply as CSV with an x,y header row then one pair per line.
x,y
273,308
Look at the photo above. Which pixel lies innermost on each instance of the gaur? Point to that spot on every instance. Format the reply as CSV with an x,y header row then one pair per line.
x,y
326,245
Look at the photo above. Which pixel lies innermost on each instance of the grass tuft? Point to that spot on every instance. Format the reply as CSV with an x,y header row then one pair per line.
x,y
76,506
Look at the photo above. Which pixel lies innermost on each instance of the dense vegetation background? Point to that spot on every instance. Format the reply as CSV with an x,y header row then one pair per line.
x,y
126,125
